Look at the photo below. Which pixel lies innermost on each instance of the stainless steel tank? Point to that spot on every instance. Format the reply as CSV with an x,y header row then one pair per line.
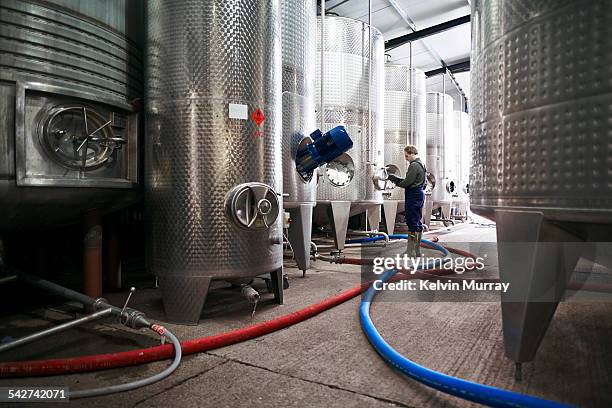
x,y
353,96
298,22
68,129
214,166
404,125
461,122
404,118
441,158
541,108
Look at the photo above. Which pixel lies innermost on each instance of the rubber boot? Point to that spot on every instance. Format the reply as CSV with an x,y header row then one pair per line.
x,y
417,244
410,247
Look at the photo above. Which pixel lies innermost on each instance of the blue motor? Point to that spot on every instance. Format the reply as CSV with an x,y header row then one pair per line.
x,y
323,149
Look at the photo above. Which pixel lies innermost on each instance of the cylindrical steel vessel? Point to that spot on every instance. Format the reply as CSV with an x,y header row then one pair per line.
x,y
298,55
68,68
461,123
214,145
541,108
542,149
441,141
353,97
404,118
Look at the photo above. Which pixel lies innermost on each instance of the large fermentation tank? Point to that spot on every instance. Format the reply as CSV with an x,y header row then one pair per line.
x,y
214,166
441,151
541,108
404,118
298,58
68,128
353,96
404,125
461,124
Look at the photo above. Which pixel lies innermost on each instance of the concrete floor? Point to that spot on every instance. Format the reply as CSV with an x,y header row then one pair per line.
x,y
326,361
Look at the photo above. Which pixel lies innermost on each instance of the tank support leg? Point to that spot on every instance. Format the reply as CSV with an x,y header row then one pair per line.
x,y
537,258
390,212
374,216
277,285
338,215
427,209
184,297
300,233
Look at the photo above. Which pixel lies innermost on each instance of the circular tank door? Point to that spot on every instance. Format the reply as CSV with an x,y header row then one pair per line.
x,y
252,206
78,137
340,171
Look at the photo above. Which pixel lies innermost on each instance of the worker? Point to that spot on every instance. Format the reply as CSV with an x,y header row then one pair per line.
x,y
414,197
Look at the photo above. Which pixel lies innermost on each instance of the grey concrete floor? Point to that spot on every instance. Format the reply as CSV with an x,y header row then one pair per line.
x,y
326,361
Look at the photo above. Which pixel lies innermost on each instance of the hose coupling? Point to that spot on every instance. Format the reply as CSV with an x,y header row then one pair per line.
x,y
134,319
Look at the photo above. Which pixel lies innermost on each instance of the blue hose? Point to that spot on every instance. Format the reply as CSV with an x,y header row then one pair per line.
x,y
480,393
376,238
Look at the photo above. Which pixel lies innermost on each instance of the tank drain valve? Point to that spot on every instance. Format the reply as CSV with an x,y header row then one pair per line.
x,y
321,148
251,295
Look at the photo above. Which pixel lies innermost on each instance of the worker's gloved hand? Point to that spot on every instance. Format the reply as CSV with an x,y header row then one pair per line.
x,y
393,178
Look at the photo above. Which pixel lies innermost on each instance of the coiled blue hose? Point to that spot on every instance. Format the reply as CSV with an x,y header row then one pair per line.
x,y
480,393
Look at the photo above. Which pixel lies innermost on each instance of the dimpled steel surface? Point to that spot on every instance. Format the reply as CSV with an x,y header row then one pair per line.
x,y
298,54
346,96
440,143
202,56
404,117
542,103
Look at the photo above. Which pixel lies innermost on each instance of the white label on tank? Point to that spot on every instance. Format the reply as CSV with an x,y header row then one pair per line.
x,y
238,111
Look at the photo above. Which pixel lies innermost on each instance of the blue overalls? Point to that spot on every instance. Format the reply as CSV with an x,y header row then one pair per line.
x,y
414,198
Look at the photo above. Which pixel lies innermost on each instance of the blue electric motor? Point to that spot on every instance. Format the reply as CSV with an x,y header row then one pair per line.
x,y
323,149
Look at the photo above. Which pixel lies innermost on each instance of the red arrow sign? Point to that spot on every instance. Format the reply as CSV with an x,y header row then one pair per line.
x,y
258,116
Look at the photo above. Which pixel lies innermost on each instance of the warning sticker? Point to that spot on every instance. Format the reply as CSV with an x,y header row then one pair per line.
x,y
258,116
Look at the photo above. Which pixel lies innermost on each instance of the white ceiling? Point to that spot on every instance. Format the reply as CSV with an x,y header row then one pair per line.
x,y
451,46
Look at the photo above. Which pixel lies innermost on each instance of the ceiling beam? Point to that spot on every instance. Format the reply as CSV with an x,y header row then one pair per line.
x,y
461,66
425,32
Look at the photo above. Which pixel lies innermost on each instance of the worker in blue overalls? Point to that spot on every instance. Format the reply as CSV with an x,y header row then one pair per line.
x,y
414,183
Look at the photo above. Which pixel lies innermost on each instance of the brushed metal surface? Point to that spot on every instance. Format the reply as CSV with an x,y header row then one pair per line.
x,y
66,52
92,47
461,123
347,97
202,56
542,93
441,141
404,117
298,25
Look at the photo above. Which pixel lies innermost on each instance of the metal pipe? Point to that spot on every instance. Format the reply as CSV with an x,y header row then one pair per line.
x,y
371,57
57,329
112,254
8,279
334,6
129,317
322,109
412,98
92,255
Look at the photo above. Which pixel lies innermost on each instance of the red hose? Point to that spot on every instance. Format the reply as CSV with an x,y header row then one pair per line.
x,y
135,357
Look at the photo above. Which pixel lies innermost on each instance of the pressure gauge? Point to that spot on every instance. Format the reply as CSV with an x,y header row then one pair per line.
x,y
78,137
340,171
